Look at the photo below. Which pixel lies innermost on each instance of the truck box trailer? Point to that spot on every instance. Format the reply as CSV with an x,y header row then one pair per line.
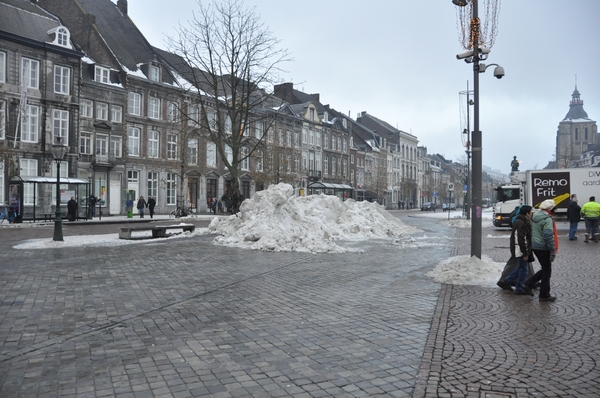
x,y
532,187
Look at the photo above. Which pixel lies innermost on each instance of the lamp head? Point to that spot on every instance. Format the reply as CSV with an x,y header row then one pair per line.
x,y
460,3
59,150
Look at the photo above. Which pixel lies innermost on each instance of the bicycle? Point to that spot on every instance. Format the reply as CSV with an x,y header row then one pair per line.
x,y
7,215
181,212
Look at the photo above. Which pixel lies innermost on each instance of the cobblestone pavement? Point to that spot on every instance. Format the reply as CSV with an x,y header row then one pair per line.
x,y
491,343
186,318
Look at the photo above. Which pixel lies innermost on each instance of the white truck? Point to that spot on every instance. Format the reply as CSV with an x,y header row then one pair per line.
x,y
534,186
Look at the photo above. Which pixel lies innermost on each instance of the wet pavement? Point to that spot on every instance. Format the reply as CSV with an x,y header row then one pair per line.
x,y
186,318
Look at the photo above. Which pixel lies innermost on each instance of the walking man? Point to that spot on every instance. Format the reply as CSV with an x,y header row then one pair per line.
x,y
573,215
141,205
591,213
151,203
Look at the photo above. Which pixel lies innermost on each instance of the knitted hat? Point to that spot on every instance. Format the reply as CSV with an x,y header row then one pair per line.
x,y
547,204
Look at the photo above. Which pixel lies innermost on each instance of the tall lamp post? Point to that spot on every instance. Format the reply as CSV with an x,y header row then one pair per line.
x,y
474,43
58,151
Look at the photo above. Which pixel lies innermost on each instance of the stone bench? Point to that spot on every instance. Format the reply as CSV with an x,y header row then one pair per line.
x,y
158,231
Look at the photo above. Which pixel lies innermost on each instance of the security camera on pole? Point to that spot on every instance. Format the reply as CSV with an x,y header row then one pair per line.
x,y
477,39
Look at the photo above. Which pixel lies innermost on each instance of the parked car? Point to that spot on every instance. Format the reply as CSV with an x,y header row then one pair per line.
x,y
427,206
449,206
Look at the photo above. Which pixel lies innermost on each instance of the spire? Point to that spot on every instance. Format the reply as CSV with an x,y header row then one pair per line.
x,y
576,106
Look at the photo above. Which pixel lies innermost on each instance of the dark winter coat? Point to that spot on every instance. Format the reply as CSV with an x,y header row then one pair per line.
x,y
141,204
574,212
72,209
151,203
520,237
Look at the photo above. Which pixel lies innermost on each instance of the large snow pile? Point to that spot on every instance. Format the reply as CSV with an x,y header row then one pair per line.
x,y
276,220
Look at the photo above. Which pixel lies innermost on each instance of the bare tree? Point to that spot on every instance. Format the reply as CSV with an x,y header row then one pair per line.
x,y
231,60
275,164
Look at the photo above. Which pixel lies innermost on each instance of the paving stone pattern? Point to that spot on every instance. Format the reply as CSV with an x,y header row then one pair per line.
x,y
493,343
185,318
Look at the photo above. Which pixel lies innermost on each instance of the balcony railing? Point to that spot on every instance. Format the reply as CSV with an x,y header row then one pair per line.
x,y
104,159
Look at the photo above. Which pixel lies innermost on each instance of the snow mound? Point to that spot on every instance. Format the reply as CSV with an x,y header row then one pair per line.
x,y
466,270
276,220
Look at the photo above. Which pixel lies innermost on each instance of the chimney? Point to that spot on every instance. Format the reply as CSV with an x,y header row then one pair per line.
x,y
285,91
316,96
122,6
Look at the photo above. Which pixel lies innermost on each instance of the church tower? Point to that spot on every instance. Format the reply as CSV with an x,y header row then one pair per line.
x,y
576,134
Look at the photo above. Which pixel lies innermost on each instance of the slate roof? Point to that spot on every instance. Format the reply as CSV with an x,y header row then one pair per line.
x,y
305,98
298,109
123,38
385,124
23,18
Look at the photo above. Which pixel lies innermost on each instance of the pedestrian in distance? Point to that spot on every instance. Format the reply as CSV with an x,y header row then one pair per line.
x,y
591,213
220,206
151,204
520,248
574,216
93,201
72,209
141,205
544,241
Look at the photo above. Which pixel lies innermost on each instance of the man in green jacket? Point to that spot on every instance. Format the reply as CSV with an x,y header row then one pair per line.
x,y
591,213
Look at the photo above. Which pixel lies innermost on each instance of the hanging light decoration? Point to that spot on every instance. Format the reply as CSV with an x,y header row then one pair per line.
x,y
485,28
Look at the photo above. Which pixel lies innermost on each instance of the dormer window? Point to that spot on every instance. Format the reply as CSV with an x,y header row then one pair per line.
x,y
312,115
345,123
325,117
61,36
154,73
101,74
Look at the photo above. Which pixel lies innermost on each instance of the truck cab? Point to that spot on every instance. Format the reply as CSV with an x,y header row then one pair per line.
x,y
507,198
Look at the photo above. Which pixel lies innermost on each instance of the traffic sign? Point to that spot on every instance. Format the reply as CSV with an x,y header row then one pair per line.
x,y
451,187
434,193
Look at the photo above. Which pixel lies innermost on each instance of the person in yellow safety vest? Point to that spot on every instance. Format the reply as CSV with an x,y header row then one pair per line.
x,y
591,213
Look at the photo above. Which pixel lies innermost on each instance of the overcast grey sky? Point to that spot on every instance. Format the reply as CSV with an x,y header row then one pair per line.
x,y
396,59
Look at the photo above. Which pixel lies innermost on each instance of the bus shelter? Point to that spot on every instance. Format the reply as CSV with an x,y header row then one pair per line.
x,y
35,197
342,191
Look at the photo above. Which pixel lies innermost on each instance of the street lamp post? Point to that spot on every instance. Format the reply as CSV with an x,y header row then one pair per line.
x,y
475,54
58,151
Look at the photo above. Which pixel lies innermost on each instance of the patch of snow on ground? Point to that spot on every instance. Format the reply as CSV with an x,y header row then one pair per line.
x,y
100,240
456,218
276,220
467,270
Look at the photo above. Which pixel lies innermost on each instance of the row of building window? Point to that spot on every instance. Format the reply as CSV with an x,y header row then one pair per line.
x,y
87,111
30,74
30,124
171,179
